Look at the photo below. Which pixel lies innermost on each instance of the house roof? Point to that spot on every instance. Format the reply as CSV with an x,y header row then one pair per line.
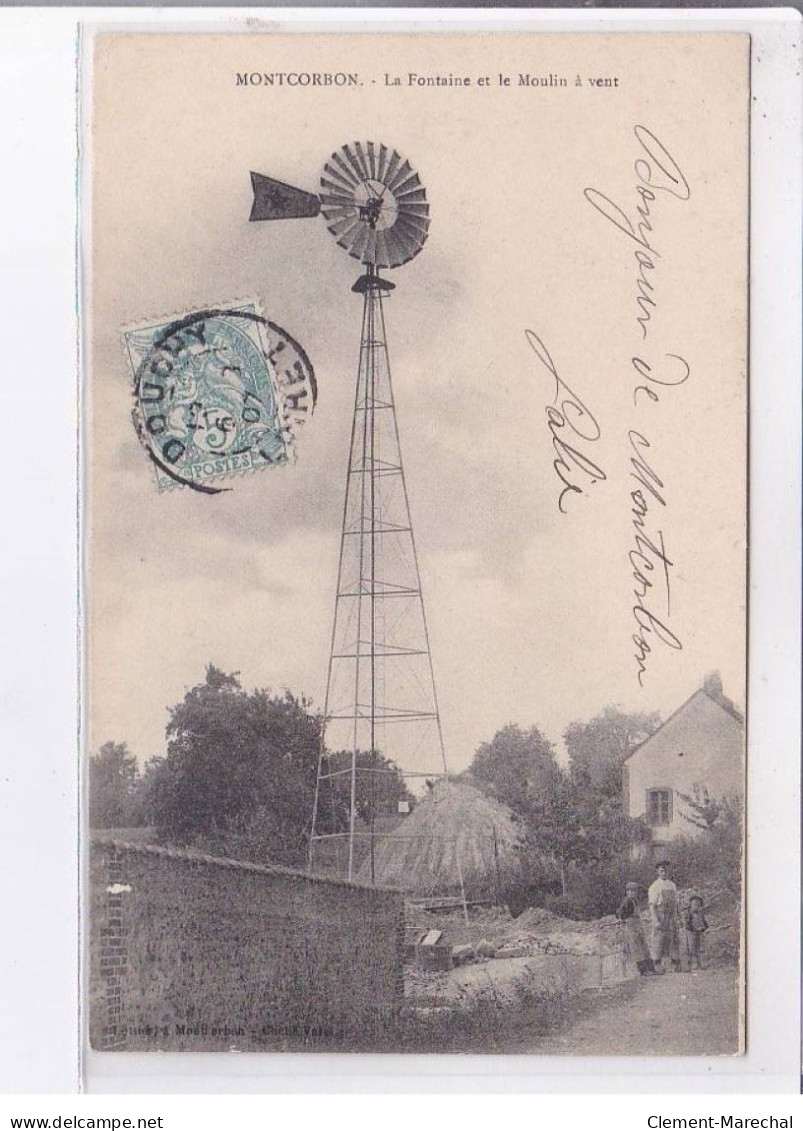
x,y
721,701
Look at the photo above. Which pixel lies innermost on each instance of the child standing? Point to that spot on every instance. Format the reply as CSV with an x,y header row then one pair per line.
x,y
696,925
628,913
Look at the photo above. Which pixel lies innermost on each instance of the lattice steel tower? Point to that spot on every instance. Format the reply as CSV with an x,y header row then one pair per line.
x,y
381,718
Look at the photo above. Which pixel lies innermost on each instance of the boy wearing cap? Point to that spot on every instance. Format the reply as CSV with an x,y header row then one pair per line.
x,y
628,914
663,901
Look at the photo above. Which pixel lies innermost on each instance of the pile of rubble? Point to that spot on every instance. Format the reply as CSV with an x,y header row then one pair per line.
x,y
492,933
505,960
538,931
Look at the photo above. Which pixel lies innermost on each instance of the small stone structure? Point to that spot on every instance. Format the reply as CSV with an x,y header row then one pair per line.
x,y
195,951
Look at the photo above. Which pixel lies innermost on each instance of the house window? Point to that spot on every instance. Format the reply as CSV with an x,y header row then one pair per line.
x,y
659,807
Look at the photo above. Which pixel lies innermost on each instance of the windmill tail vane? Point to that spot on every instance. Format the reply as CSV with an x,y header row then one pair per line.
x,y
381,720
275,200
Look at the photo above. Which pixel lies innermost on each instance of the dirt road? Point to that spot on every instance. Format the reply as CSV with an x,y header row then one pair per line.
x,y
670,1015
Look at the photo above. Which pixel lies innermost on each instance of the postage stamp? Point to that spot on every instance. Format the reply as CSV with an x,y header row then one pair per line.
x,y
217,393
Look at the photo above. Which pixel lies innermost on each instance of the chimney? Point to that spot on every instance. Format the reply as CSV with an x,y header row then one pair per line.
x,y
712,685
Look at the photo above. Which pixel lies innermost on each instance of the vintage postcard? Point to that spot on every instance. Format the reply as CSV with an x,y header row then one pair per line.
x,y
415,541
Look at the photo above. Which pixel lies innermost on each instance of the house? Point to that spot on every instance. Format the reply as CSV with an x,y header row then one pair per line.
x,y
698,750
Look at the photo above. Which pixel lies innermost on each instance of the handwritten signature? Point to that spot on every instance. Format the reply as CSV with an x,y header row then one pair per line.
x,y
570,422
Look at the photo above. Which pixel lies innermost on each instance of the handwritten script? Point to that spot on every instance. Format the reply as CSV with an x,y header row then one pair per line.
x,y
659,182
571,423
655,372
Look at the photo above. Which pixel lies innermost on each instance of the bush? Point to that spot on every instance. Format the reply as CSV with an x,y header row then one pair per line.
x,y
709,863
569,906
596,890
533,891
592,891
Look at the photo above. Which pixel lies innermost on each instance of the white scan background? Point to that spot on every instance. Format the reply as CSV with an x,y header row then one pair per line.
x,y
41,1039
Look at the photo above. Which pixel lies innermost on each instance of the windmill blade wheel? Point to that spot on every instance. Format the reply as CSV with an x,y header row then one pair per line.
x,y
374,204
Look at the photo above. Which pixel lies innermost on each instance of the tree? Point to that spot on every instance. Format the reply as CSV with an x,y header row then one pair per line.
x,y
520,768
556,825
712,857
516,764
572,825
377,793
572,817
142,811
113,776
239,776
598,748
234,761
703,810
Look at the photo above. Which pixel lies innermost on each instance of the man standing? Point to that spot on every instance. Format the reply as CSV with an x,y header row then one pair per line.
x,y
663,902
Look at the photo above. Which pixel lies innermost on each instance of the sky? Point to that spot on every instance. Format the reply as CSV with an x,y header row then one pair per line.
x,y
529,609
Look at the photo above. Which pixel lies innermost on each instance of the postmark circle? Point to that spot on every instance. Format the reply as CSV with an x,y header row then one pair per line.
x,y
220,392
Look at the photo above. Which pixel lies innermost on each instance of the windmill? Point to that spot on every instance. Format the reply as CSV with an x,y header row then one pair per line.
x,y
381,716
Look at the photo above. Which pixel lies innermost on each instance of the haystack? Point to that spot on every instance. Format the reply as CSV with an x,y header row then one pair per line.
x,y
455,823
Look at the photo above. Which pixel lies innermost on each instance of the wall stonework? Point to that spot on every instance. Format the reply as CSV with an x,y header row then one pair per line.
x,y
192,951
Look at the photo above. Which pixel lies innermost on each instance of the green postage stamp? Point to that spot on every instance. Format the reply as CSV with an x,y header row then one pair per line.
x,y
217,393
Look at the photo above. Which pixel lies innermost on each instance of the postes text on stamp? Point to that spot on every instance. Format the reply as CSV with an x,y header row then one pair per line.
x,y
217,393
